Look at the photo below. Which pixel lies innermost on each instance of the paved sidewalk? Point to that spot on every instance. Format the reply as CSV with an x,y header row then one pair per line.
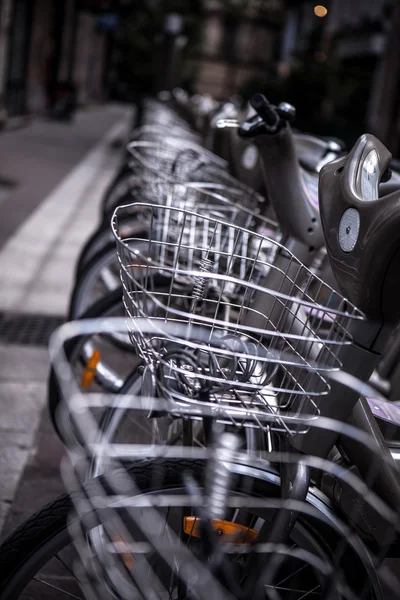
x,y
37,157
37,261
23,373
36,265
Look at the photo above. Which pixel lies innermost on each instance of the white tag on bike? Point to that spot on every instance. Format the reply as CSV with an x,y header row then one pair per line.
x,y
250,157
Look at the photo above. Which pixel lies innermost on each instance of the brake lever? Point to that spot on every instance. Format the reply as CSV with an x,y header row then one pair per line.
x,y
252,127
329,157
227,123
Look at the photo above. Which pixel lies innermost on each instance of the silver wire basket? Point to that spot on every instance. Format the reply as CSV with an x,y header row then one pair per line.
x,y
229,205
157,113
158,133
171,161
210,273
142,529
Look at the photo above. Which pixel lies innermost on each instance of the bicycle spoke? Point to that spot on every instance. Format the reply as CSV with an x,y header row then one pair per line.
x,y
310,592
54,587
292,574
289,589
66,567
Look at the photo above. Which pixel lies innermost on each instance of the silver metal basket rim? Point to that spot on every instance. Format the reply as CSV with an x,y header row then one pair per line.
x,y
212,158
109,325
246,329
209,191
221,168
164,131
201,340
356,313
159,128
205,186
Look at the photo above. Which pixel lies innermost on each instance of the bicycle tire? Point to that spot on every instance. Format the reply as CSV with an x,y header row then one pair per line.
x,y
102,237
120,174
120,189
32,545
45,525
81,297
96,242
99,309
109,381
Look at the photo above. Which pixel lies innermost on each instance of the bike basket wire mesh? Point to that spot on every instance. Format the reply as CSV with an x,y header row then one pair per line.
x,y
170,160
222,203
251,293
156,113
166,515
158,133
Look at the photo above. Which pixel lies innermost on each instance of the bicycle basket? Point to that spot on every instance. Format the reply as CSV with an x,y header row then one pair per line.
x,y
170,160
227,204
213,274
156,113
158,133
163,516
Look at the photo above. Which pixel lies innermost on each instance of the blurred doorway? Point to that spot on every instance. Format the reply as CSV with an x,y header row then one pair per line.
x,y
18,53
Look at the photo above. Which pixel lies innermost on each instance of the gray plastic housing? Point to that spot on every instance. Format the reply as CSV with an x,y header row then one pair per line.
x,y
298,217
362,230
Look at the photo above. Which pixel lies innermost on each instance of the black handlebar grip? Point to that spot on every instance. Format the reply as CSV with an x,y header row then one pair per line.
x,y
362,231
266,111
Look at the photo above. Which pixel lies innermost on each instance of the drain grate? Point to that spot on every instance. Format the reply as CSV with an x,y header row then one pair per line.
x,y
27,330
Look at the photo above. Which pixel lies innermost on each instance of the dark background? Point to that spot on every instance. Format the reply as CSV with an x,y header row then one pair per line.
x,y
340,70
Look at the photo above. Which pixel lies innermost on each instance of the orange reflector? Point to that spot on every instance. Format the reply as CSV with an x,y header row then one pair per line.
x,y
237,534
90,369
123,550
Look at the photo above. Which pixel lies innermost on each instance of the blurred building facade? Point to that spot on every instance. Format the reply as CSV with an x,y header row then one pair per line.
x,y
238,44
46,48
342,71
359,43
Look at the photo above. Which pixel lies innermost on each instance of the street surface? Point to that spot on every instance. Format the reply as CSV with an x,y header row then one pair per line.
x,y
52,177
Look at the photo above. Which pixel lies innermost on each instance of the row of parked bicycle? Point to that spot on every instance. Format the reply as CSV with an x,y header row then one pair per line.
x,y
223,388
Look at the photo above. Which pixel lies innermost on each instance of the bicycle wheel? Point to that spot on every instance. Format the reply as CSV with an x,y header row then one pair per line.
x,y
117,358
100,276
38,558
118,184
118,189
101,238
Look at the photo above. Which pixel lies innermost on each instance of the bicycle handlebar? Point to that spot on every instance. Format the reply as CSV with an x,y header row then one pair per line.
x,y
265,110
272,134
298,217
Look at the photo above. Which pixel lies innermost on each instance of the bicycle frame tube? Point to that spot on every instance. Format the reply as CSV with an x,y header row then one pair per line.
x,y
359,361
279,277
385,482
297,216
